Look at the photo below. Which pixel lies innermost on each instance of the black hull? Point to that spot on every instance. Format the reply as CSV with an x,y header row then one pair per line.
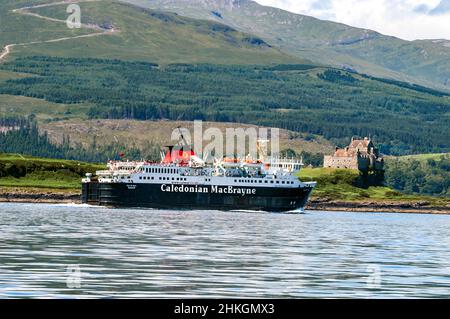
x,y
160,196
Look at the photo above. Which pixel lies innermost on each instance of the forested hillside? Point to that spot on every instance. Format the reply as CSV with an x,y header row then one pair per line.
x,y
429,175
335,104
22,136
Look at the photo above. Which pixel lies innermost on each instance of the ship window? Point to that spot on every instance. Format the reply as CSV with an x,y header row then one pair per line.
x,y
278,182
159,178
153,178
260,181
265,182
235,180
282,182
140,177
173,178
271,182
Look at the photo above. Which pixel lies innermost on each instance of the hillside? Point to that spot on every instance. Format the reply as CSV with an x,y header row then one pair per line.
x,y
427,174
139,133
423,62
122,31
27,171
301,98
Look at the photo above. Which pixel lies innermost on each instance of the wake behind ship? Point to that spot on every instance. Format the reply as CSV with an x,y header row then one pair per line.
x,y
183,180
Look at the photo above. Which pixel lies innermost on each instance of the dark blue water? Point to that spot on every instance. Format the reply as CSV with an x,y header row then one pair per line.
x,y
71,251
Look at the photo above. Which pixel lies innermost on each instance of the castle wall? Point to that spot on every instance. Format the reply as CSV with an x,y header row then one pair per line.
x,y
340,162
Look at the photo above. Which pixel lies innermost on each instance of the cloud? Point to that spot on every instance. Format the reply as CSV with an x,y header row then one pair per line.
x,y
422,8
442,8
322,5
406,19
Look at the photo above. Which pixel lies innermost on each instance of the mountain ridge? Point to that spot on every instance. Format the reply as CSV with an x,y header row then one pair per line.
x,y
422,61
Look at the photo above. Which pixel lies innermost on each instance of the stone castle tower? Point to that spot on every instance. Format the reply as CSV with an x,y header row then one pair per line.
x,y
360,154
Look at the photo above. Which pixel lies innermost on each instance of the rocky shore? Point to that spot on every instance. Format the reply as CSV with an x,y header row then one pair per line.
x,y
417,207
51,196
38,195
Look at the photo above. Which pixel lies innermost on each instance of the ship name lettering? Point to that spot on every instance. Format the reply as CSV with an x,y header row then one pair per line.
x,y
232,190
183,189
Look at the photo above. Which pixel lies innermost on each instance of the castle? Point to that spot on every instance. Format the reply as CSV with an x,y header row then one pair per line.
x,y
360,154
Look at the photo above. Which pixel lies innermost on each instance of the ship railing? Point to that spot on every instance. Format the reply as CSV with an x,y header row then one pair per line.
x,y
113,172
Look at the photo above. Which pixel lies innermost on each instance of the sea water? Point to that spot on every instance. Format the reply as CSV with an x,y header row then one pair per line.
x,y
73,251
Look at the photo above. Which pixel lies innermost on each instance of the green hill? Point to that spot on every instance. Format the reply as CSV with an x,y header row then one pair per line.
x,y
27,171
424,62
18,28
131,33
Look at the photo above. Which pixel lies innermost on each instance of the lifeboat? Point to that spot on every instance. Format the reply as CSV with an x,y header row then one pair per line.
x,y
252,163
230,162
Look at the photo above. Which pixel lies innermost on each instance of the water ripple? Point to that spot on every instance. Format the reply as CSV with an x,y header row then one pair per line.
x,y
70,251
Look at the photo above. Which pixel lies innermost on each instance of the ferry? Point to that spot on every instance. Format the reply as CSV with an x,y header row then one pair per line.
x,y
182,180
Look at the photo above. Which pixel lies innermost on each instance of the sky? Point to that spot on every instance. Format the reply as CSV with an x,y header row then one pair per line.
x,y
406,19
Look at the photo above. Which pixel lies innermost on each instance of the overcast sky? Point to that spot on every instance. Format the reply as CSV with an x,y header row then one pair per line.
x,y
406,19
